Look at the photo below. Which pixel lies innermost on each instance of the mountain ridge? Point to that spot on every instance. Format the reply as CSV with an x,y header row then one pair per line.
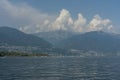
x,y
98,41
12,36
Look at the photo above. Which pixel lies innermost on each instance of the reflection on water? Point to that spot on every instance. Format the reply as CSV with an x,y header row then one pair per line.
x,y
59,68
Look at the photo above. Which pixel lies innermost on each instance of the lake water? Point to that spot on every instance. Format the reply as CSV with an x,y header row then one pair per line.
x,y
60,68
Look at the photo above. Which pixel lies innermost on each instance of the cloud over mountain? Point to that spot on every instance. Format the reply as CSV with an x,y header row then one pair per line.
x,y
31,20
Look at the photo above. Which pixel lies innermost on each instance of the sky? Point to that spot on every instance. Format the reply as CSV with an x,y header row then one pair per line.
x,y
33,16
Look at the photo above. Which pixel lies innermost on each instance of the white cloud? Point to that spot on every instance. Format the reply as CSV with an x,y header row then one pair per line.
x,y
97,24
32,20
80,24
63,21
29,19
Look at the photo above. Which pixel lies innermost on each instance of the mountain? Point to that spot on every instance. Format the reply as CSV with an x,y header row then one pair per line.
x,y
13,37
55,36
98,41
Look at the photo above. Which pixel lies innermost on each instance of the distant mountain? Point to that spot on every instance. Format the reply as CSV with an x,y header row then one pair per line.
x,y
14,37
98,41
55,36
